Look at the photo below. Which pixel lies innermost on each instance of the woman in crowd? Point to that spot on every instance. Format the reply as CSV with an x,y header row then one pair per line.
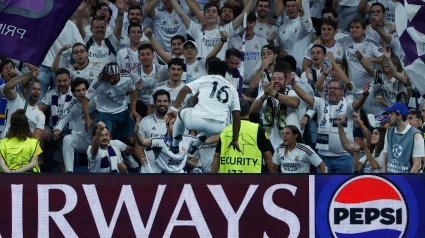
x,y
19,151
371,160
294,156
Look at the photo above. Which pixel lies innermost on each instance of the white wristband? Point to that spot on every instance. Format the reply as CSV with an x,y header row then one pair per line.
x,y
174,109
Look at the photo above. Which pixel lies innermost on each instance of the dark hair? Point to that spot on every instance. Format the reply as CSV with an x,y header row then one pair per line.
x,y
178,37
403,118
97,19
233,52
321,47
282,67
209,5
133,25
251,17
102,4
176,61
415,113
286,1
6,62
244,105
19,126
145,46
93,133
329,10
294,131
264,1
211,59
36,80
135,7
77,82
226,6
217,68
62,71
380,145
329,22
291,61
79,44
361,21
378,4
161,92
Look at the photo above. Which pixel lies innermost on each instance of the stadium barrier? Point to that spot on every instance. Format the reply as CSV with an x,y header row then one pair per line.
x,y
212,206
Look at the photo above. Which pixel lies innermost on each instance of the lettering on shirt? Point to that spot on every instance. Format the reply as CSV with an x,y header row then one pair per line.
x,y
98,54
238,161
117,98
170,30
210,43
146,90
352,58
172,161
291,166
252,55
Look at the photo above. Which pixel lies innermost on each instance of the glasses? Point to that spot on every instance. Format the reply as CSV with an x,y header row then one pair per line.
x,y
189,48
77,52
334,89
103,10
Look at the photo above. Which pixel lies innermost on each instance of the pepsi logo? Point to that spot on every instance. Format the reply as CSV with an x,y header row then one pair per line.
x,y
379,210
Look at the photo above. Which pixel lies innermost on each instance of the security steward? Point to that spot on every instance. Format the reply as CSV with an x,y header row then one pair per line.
x,y
254,143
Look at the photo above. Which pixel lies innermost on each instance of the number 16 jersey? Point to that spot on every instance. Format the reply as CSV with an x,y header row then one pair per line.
x,y
216,98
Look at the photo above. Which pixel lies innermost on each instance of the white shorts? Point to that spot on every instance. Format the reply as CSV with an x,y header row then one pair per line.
x,y
208,126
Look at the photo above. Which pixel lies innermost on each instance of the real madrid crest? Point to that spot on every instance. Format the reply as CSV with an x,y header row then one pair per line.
x,y
196,69
295,30
256,46
338,52
268,34
364,51
156,76
218,35
91,74
176,22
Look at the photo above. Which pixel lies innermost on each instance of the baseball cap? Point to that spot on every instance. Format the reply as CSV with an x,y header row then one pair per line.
x,y
270,47
398,107
190,42
378,120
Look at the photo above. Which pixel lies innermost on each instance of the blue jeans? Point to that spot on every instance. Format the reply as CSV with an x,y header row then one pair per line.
x,y
47,79
124,123
342,164
311,131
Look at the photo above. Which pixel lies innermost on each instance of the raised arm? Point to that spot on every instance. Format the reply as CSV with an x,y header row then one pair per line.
x,y
363,6
145,142
95,143
149,8
186,20
362,98
120,18
219,45
247,9
385,36
82,17
255,80
155,45
56,61
365,63
366,132
399,76
85,106
343,137
286,100
303,95
372,161
10,87
194,6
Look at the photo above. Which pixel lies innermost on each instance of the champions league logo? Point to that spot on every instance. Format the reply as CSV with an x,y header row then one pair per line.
x,y
373,212
30,9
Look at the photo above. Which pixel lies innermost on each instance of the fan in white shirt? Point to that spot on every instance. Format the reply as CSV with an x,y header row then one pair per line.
x,y
262,26
36,118
127,57
167,161
294,156
216,97
104,157
173,85
134,17
207,33
103,10
331,14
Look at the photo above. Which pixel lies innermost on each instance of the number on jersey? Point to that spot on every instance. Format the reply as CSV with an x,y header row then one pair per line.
x,y
220,91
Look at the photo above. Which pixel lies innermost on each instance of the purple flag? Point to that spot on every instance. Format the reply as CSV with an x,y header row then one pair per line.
x,y
29,27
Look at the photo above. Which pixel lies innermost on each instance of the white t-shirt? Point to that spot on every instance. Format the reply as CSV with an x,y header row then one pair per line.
x,y
368,168
151,127
57,103
356,72
109,29
165,26
340,34
395,45
166,160
102,162
296,161
337,50
159,74
89,73
294,36
173,92
252,60
390,7
195,70
316,8
326,117
206,40
36,118
101,53
348,3
265,30
110,98
216,97
127,58
371,33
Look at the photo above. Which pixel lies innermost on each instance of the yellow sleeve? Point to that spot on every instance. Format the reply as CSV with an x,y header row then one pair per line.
x,y
38,149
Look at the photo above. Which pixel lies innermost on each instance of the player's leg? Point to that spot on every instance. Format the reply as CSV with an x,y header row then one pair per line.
x,y
206,128
180,126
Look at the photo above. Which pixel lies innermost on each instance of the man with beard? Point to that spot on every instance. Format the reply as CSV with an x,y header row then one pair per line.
x,y
278,105
36,118
195,66
57,99
404,144
82,67
153,126
102,155
207,33
111,89
146,76
134,17
328,29
328,144
262,27
173,85
226,14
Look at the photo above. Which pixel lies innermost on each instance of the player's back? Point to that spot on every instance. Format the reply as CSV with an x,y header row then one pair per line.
x,y
216,97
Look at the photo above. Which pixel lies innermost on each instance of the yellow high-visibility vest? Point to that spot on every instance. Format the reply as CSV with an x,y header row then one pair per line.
x,y
17,153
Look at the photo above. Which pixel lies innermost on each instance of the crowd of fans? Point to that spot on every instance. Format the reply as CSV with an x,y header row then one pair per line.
x,y
323,79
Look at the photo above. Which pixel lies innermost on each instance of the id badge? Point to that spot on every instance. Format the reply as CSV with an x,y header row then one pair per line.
x,y
323,137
